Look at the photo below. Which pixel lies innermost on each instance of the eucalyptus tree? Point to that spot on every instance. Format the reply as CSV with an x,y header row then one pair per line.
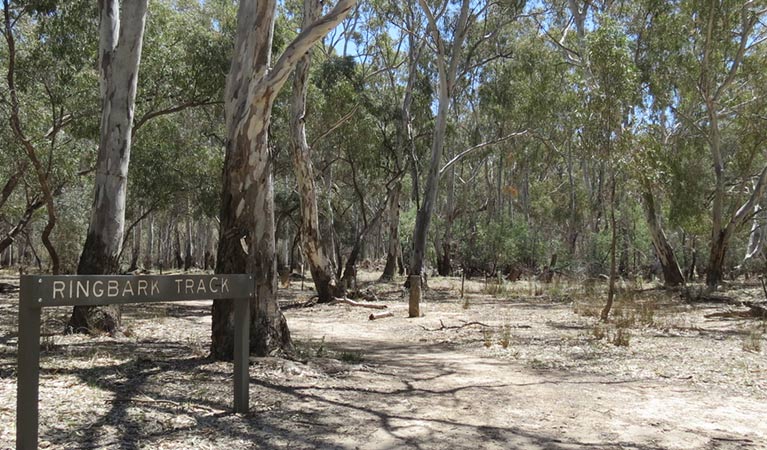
x,y
43,53
197,45
392,46
659,39
701,59
247,236
724,38
532,198
176,156
600,52
448,28
320,265
121,32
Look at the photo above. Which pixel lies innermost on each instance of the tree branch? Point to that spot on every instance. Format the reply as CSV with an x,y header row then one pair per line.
x,y
304,41
471,150
747,207
170,110
336,125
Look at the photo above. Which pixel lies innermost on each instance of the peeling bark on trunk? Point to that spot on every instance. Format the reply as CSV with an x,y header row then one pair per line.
x,y
319,264
120,41
247,236
672,274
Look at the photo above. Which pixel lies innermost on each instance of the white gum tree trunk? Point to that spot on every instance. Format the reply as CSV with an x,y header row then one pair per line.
x,y
247,208
120,41
320,265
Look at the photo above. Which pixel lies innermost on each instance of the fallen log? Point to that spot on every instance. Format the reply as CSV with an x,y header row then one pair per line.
x,y
353,303
380,315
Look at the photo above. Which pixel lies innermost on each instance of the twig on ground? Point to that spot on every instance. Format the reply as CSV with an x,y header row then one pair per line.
x,y
466,324
455,327
353,303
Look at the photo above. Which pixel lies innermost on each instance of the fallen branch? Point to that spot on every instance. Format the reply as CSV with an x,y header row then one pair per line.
x,y
455,327
353,303
466,324
380,315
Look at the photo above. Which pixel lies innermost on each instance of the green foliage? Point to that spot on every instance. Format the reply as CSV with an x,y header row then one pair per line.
x,y
623,104
497,245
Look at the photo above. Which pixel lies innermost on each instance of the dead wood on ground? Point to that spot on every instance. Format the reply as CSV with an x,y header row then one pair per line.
x,y
350,302
467,324
380,315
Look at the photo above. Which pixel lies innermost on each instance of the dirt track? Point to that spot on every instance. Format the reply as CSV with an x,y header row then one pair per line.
x,y
536,377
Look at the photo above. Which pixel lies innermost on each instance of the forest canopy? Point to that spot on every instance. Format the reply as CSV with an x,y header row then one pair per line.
x,y
510,138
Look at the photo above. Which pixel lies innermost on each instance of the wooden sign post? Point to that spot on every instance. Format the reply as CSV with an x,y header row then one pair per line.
x,y
38,291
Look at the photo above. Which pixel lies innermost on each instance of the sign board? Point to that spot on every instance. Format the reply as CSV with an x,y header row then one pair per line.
x,y
71,290
38,291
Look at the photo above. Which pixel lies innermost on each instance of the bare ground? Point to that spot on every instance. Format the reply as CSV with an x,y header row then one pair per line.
x,y
535,371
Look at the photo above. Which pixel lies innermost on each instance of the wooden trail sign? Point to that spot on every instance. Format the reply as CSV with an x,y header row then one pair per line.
x,y
38,291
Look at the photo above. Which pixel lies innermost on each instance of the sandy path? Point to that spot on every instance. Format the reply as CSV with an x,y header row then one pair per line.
x,y
426,395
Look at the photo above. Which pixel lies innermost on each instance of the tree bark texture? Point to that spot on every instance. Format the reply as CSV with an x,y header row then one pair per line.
x,y
120,41
247,236
672,273
320,265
